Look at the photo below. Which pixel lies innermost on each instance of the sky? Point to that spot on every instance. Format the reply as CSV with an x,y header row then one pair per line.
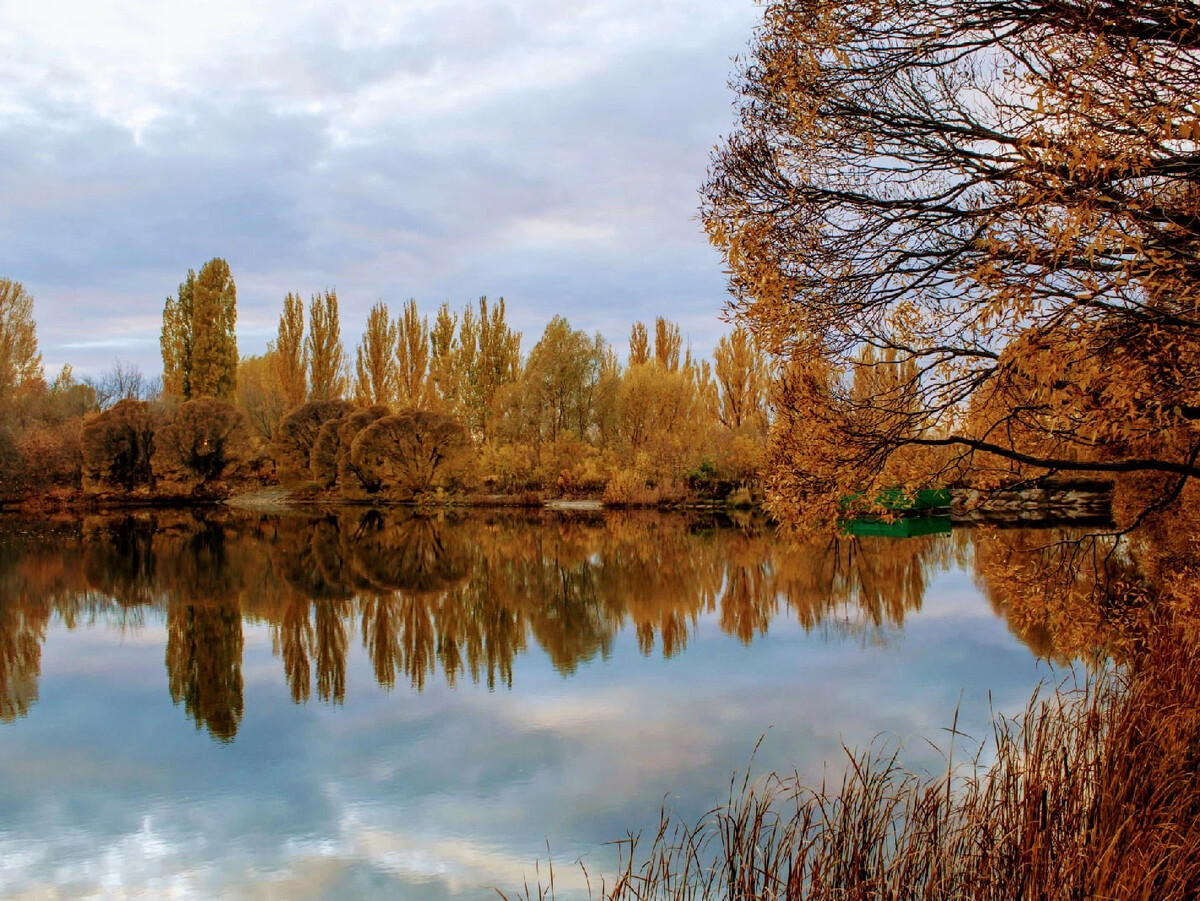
x,y
546,151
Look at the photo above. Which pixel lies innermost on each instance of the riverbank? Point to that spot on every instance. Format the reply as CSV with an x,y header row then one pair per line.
x,y
278,497
1085,503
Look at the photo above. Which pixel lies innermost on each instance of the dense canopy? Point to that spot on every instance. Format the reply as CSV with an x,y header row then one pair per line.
x,y
992,207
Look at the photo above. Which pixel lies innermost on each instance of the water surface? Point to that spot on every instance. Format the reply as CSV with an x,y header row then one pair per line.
x,y
367,704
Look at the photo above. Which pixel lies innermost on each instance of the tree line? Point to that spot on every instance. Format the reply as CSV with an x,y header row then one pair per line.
x,y
448,403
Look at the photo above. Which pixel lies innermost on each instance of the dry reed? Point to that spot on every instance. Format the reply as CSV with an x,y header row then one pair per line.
x,y
1094,793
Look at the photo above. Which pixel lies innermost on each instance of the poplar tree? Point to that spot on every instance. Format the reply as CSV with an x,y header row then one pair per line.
x,y
497,361
443,359
639,345
214,338
412,359
326,358
376,359
667,342
199,340
290,356
741,373
176,340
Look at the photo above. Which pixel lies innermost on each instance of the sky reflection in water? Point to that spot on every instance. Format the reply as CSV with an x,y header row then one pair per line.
x,y
366,704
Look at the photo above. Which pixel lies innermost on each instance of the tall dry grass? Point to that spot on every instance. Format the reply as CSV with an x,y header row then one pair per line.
x,y
1092,793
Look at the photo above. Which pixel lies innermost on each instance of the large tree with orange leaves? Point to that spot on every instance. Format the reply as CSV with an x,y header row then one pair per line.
x,y
1001,200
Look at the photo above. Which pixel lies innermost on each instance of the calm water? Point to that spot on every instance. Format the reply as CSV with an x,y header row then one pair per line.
x,y
367,705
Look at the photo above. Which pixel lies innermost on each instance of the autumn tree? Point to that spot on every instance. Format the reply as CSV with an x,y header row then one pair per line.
x,y
117,445
290,353
489,354
413,388
667,343
199,341
350,478
205,442
445,360
741,373
561,378
323,346
659,418
123,381
935,181
20,361
199,344
375,363
639,345
214,357
259,395
176,340
323,459
608,388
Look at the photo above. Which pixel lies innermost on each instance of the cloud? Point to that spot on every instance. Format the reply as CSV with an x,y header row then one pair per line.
x,y
543,151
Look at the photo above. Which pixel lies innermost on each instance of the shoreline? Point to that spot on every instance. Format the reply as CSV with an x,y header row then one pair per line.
x,y
1006,508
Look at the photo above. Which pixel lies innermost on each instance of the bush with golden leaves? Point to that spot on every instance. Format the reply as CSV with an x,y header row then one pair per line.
x,y
50,454
292,443
205,445
117,445
411,453
322,460
349,479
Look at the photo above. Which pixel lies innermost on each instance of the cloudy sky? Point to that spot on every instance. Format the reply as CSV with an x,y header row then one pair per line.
x,y
541,150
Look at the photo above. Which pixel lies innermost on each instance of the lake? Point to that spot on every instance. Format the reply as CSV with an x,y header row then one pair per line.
x,y
359,703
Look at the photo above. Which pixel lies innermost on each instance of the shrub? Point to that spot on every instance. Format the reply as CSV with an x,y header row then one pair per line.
x,y
349,478
322,461
626,489
117,445
50,454
294,437
409,453
206,442
12,467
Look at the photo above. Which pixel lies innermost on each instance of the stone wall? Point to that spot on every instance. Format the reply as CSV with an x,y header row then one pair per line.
x,y
1050,504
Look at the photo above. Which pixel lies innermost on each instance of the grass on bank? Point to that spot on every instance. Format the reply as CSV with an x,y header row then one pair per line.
x,y
1094,794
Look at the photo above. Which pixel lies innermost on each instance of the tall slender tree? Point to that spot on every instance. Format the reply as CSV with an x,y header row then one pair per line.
x,y
444,360
176,340
741,373
290,356
326,357
214,337
412,359
639,344
667,343
375,363
496,362
199,338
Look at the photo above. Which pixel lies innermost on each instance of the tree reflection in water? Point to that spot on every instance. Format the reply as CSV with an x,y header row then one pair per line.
x,y
463,595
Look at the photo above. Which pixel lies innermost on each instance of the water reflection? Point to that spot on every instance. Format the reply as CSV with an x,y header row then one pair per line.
x,y
464,597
